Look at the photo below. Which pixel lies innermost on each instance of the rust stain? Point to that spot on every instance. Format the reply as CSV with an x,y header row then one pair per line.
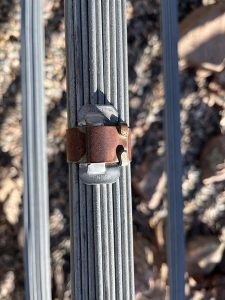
x,y
98,144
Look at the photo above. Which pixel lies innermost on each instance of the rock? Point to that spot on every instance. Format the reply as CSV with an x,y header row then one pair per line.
x,y
7,285
150,181
213,154
143,271
203,254
202,40
155,294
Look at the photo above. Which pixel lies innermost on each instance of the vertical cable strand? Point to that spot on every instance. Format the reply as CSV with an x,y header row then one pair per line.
x,y
175,233
36,202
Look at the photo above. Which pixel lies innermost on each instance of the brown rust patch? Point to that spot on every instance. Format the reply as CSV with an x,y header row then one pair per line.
x,y
98,144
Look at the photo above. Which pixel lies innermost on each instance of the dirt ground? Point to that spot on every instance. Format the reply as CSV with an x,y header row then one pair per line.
x,y
203,126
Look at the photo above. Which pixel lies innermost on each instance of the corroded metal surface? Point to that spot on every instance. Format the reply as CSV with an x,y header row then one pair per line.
x,y
76,145
98,144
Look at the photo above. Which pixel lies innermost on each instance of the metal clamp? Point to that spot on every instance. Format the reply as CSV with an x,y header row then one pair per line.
x,y
100,144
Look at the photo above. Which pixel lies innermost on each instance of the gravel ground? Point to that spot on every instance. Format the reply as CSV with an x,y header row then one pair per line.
x,y
202,115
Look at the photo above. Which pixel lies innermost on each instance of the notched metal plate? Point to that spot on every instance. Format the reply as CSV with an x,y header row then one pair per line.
x,y
100,144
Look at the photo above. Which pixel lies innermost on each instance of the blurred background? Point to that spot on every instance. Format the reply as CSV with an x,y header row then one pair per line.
x,y
202,53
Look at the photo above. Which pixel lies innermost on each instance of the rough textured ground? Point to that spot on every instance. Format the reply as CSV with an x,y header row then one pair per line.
x,y
202,117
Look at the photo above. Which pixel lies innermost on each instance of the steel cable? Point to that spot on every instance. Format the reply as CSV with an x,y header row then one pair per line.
x,y
99,77
35,202
175,233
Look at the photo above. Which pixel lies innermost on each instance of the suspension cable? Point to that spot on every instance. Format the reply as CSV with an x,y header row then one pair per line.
x,y
175,232
35,202
100,211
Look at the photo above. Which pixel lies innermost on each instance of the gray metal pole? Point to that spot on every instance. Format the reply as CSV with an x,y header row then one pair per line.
x,y
175,232
101,214
35,204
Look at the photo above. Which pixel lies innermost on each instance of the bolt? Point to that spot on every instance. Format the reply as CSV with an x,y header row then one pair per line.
x,y
124,159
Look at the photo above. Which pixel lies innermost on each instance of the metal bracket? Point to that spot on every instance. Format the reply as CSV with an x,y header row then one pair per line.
x,y
100,144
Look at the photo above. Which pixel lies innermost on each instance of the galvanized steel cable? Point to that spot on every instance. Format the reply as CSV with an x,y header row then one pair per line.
x,y
175,233
35,202
101,215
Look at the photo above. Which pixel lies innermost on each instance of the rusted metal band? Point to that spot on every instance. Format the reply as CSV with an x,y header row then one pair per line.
x,y
99,144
